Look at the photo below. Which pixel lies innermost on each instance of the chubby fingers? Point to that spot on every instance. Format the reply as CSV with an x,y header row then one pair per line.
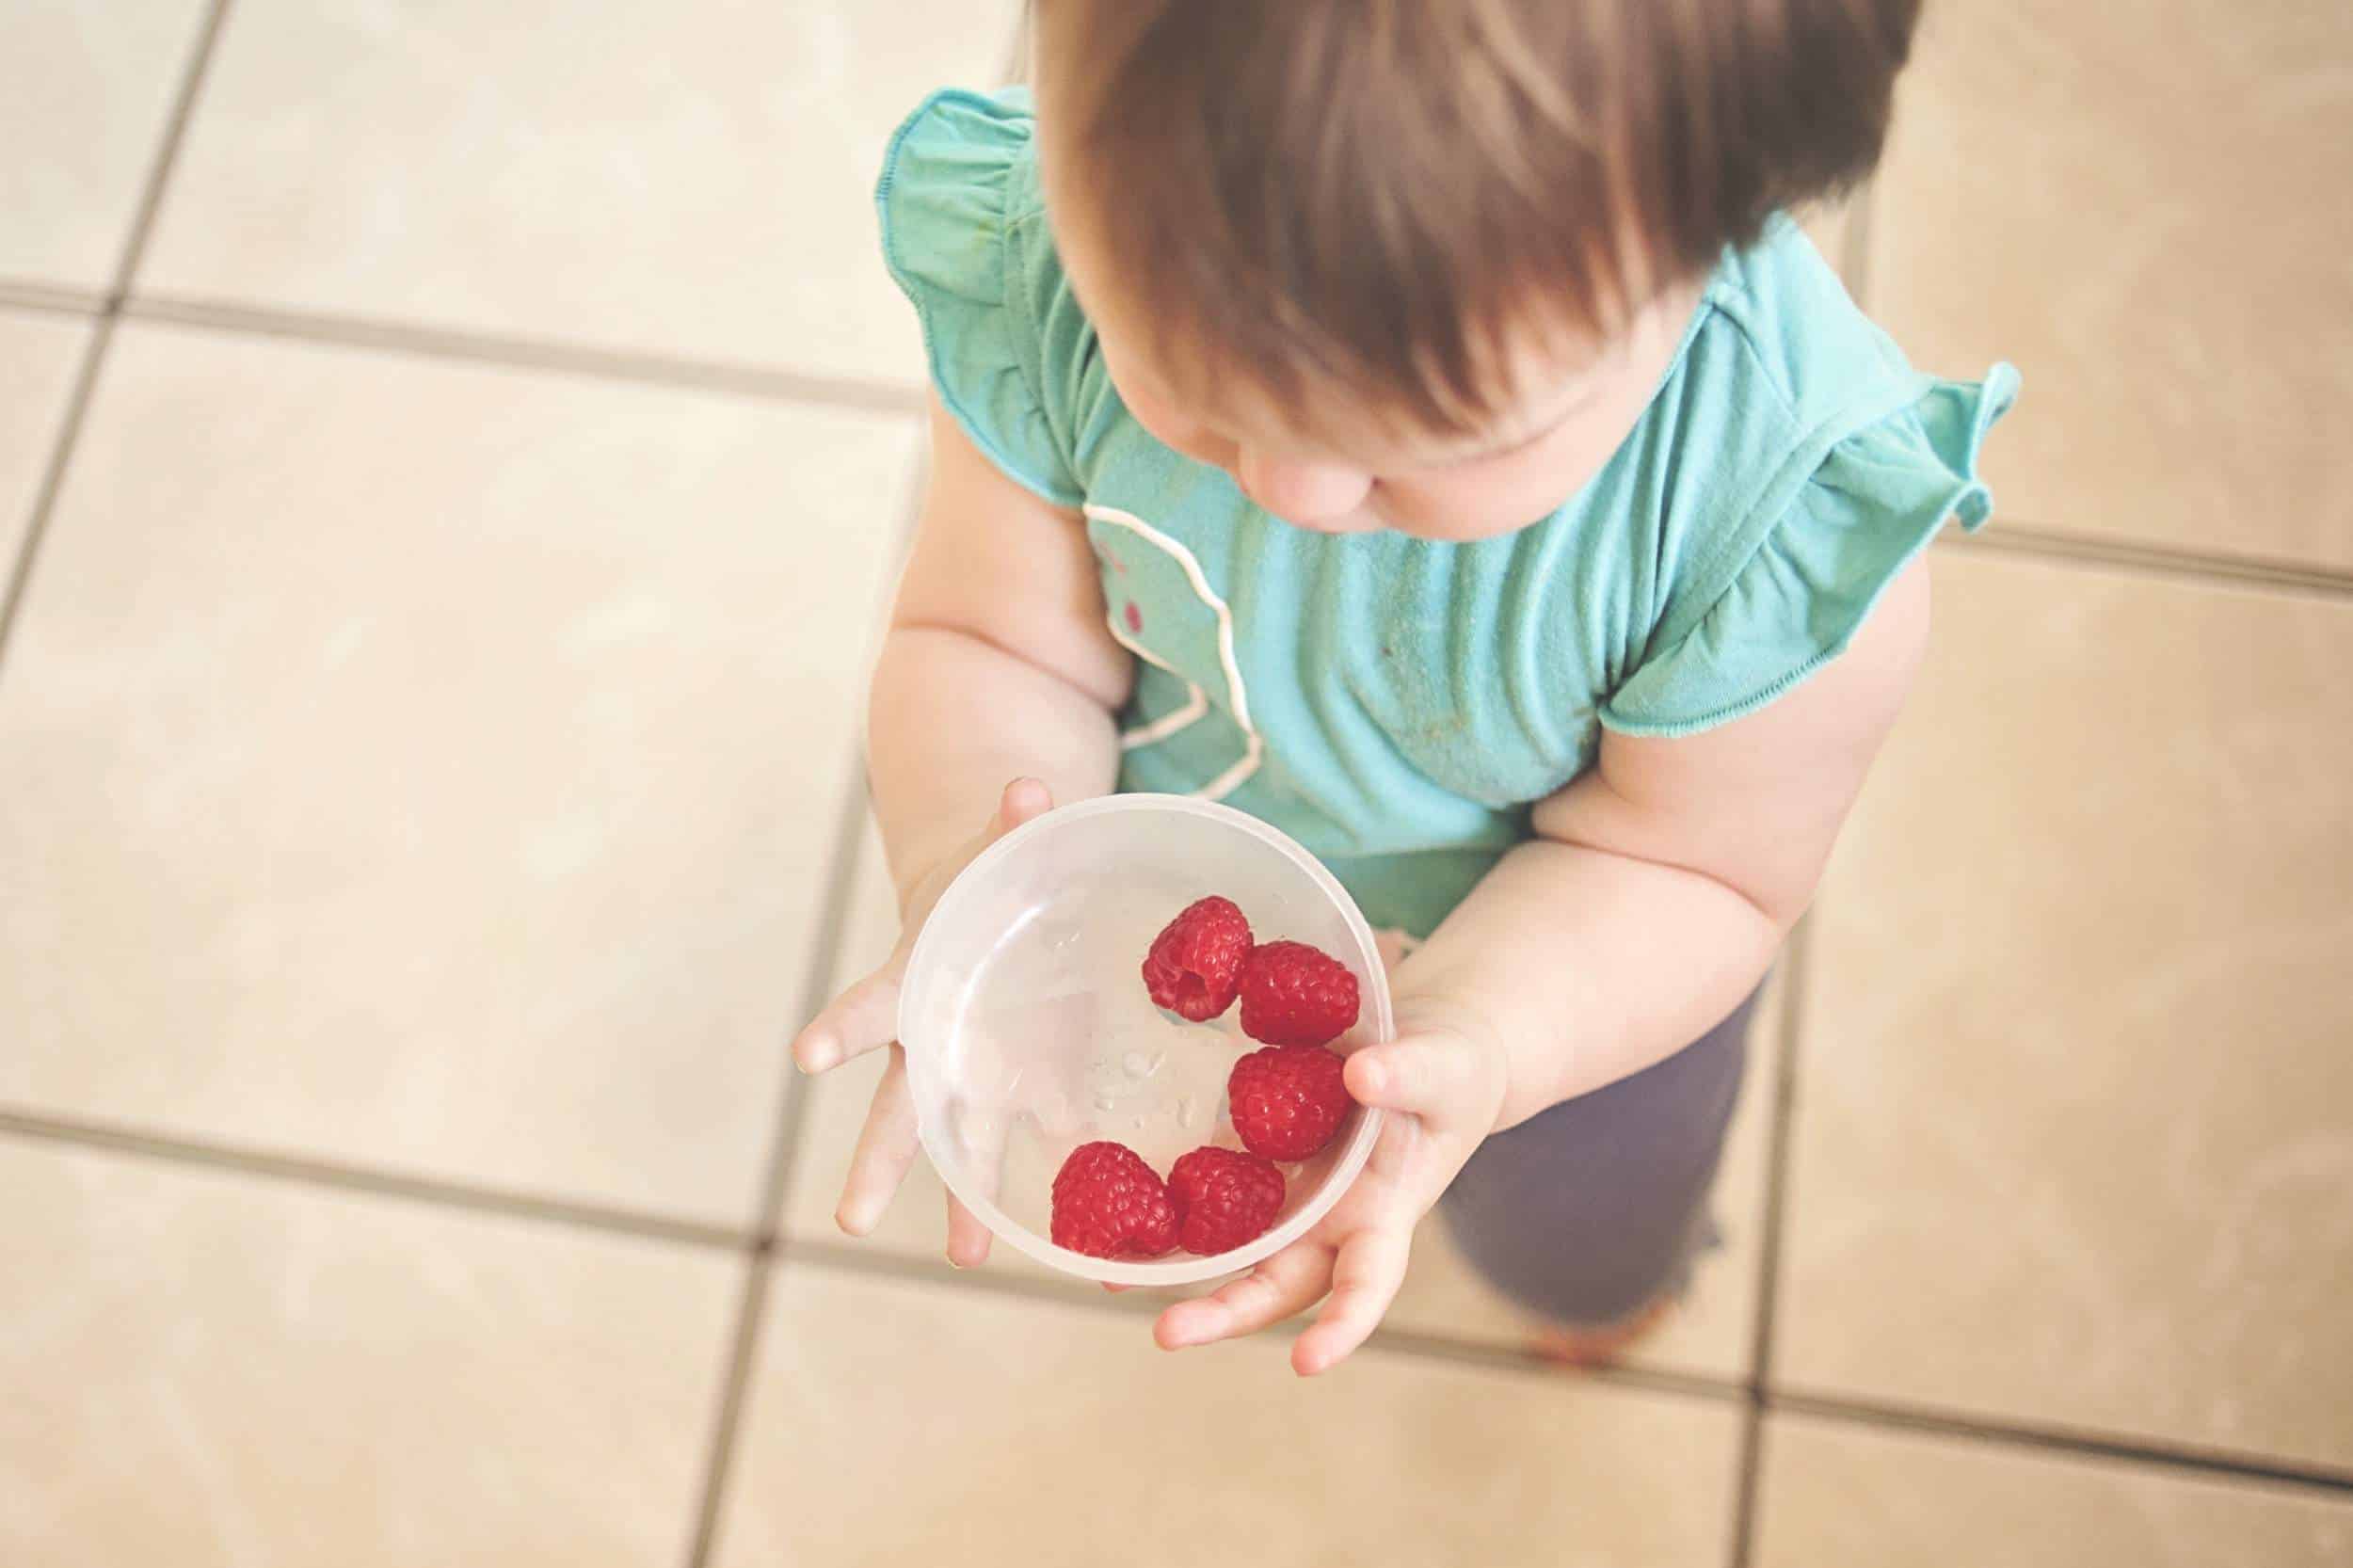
x,y
967,1237
1365,1280
885,1147
866,1015
859,1019
1282,1285
1420,1075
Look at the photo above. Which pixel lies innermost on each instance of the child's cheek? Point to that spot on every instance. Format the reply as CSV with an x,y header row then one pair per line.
x,y
1181,435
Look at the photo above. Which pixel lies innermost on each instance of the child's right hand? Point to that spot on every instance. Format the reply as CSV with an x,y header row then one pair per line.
x,y
867,1016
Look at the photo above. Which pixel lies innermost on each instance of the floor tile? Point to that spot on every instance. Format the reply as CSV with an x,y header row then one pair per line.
x,y
42,353
1843,1497
208,1369
1711,1333
890,1422
433,766
2130,212
871,929
2074,1127
86,91
688,179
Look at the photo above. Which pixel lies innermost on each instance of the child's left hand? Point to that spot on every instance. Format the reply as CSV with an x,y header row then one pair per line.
x,y
1441,1087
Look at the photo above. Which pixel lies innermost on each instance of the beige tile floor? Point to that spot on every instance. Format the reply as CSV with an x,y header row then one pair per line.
x,y
427,802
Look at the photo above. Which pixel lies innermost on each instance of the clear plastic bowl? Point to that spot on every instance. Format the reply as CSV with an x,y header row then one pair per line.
x,y
1027,1031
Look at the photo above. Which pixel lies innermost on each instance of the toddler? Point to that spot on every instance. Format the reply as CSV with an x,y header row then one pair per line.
x,y
1418,424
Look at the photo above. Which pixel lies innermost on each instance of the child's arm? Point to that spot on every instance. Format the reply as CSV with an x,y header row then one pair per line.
x,y
1658,890
1663,881
998,666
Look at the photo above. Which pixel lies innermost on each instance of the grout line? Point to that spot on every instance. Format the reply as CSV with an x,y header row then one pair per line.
x,y
2196,566
77,407
742,1347
1413,1345
523,353
28,296
1748,1507
78,404
1784,1092
167,151
867,1262
847,1258
2189,1459
850,1257
822,961
206,1155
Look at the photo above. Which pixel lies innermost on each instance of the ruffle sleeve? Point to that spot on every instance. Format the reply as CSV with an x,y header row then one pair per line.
x,y
1876,500
948,236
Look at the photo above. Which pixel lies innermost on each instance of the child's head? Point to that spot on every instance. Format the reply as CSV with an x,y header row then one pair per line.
x,y
1419,263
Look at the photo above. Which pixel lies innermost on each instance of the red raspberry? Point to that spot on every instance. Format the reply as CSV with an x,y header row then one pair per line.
x,y
1195,962
1295,994
1109,1204
1287,1101
1223,1197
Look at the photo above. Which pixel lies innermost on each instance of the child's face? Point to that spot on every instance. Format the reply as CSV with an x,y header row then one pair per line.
x,y
1575,406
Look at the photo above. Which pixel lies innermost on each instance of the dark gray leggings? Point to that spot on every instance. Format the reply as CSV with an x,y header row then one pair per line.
x,y
1588,1211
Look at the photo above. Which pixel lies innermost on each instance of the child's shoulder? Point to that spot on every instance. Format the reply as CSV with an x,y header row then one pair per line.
x,y
1782,309
1800,462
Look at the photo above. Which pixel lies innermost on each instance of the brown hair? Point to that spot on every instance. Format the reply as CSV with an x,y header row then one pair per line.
x,y
1373,192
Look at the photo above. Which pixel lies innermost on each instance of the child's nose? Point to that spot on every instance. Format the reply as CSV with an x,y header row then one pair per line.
x,y
1308,494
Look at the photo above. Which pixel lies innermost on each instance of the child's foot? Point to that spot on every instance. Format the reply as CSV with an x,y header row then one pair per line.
x,y
1601,1344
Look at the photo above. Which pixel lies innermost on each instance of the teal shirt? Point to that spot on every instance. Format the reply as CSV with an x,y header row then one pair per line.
x,y
1397,704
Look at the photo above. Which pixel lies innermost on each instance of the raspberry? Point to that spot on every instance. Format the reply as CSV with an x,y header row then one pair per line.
x,y
1195,962
1286,1102
1108,1203
1223,1197
1295,994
